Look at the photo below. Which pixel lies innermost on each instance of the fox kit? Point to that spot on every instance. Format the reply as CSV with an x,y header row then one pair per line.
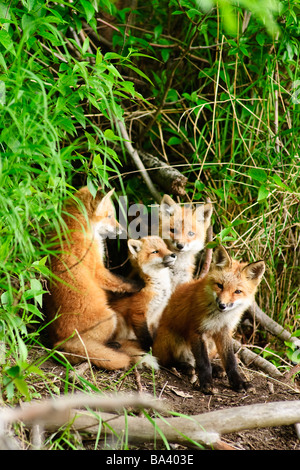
x,y
184,231
77,304
139,313
204,310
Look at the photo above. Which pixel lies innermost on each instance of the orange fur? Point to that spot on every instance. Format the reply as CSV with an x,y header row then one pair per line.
x,y
184,230
207,309
77,304
152,259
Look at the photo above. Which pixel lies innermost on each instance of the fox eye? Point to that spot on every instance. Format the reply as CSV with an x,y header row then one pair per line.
x,y
172,230
220,286
153,252
191,234
238,291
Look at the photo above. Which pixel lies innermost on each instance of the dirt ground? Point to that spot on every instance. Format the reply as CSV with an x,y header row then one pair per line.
x,y
180,396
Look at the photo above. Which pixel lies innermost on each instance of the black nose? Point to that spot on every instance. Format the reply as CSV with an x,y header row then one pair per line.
x,y
180,246
173,255
222,306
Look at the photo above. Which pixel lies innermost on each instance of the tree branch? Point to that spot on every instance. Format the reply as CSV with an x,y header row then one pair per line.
x,y
138,162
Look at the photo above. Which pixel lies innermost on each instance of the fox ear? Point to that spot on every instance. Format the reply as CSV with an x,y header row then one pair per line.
x,y
134,246
167,205
255,271
204,213
105,203
221,258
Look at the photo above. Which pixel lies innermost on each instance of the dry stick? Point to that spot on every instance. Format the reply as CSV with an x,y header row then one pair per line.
x,y
167,177
204,428
57,410
249,357
139,164
270,325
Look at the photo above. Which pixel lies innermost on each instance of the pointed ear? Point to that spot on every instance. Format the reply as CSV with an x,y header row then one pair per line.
x,y
105,203
167,205
254,271
208,209
221,258
204,213
134,246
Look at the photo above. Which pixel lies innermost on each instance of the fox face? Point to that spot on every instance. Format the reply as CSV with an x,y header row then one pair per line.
x,y
103,220
232,284
150,253
183,228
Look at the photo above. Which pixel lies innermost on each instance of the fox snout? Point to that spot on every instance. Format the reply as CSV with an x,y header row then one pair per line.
x,y
224,306
169,260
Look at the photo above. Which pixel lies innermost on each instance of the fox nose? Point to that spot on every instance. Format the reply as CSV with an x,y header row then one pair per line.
x,y
169,260
180,246
222,306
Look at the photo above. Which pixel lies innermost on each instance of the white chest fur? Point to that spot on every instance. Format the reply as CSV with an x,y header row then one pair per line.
x,y
161,287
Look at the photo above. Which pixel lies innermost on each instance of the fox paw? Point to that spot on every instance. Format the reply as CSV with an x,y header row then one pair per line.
x,y
208,389
243,387
148,362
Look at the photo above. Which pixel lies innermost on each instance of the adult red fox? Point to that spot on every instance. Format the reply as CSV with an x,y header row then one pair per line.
x,y
204,310
184,230
77,305
139,312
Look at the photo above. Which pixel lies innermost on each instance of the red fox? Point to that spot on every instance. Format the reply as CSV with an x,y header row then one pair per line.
x,y
204,310
77,304
184,230
139,312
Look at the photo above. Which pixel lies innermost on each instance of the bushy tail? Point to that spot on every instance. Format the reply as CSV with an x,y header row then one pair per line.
x,y
99,354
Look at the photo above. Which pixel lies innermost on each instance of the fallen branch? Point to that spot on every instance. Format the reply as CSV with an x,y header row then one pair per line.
x,y
249,357
168,178
58,409
271,326
205,428
138,162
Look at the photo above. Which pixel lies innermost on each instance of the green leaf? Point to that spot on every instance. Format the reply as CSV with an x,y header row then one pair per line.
x,y
6,41
174,141
37,290
263,193
22,387
258,174
88,9
139,72
261,38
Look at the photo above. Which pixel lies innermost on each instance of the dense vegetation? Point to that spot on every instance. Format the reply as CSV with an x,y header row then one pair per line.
x,y
212,92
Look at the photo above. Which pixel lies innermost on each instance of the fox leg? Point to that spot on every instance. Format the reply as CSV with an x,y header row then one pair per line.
x,y
203,364
113,283
225,349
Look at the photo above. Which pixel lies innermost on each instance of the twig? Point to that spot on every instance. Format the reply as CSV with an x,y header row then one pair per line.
x,y
271,326
249,357
139,164
167,177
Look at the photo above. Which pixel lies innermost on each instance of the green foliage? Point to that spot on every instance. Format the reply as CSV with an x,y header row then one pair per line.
x,y
204,85
59,100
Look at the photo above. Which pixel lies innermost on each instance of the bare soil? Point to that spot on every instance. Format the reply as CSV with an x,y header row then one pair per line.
x,y
180,396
